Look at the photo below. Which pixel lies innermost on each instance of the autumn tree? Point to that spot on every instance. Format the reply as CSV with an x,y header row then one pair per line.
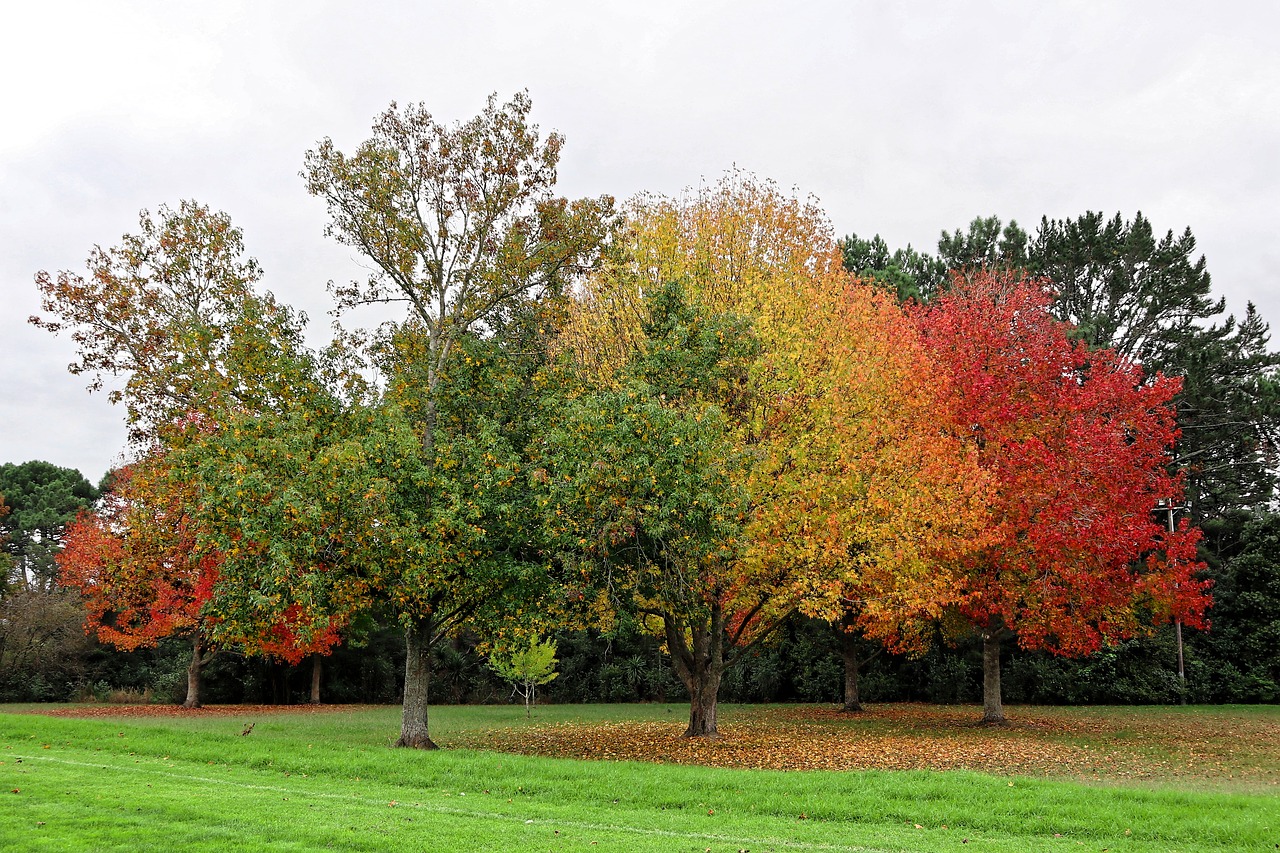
x,y
140,571
145,573
459,223
1149,296
1076,445
872,489
645,495
175,311
786,489
1123,285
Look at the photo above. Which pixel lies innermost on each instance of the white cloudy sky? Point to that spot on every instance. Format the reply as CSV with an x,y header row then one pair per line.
x,y
903,118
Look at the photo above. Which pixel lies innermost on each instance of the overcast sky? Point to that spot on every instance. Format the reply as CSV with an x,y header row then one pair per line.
x,y
902,118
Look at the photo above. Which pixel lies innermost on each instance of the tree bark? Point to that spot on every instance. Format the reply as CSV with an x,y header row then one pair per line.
x,y
702,707
417,675
700,666
849,652
316,666
193,674
992,708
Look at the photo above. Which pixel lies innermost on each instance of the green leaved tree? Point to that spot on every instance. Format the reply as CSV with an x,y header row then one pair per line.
x,y
527,668
461,224
42,499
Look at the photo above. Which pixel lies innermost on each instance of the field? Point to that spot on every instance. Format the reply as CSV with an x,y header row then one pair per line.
x,y
900,778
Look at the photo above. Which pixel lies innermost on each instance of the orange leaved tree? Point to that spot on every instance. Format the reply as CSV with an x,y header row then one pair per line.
x,y
136,562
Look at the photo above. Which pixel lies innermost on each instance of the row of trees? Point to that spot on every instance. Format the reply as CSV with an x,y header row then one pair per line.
x,y
685,415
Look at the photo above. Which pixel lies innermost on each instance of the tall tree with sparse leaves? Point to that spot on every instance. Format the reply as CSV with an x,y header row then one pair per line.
x,y
460,223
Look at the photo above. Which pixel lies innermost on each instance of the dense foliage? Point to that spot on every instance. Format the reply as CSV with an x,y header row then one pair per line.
x,y
702,445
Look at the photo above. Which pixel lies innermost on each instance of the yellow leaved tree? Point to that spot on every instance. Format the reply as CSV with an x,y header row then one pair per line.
x,y
839,487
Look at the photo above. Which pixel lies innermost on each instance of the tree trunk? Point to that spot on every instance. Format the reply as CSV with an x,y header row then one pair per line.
x,y
703,694
417,676
701,667
849,652
316,666
193,675
992,708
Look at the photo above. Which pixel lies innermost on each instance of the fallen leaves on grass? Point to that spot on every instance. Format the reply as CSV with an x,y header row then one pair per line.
x,y
1102,744
787,747
1039,742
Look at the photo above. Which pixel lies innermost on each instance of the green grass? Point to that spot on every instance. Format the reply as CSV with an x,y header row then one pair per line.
x,y
330,781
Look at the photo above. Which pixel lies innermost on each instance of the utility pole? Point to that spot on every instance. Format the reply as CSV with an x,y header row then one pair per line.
x,y
1177,628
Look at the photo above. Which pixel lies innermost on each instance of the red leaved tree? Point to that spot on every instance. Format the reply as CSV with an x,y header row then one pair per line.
x,y
136,562
139,563
1076,444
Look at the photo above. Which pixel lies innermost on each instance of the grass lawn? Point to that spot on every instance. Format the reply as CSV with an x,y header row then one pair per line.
x,y
327,779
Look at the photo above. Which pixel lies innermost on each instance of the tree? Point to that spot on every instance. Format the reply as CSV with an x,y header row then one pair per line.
x,y
41,641
42,499
460,224
908,273
644,499
922,277
1150,298
174,309
987,244
740,354
1246,629
146,572
43,647
137,565
527,669
1121,287
1124,287
1076,445
6,560
873,490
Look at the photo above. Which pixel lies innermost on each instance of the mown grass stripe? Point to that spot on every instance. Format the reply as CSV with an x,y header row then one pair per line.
x,y
451,810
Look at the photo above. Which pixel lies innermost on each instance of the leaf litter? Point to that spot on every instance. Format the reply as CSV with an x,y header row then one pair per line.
x,y
1111,746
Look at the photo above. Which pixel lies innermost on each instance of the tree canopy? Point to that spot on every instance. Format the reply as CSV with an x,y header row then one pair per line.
x,y
1076,443
175,310
462,226
40,499
727,308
